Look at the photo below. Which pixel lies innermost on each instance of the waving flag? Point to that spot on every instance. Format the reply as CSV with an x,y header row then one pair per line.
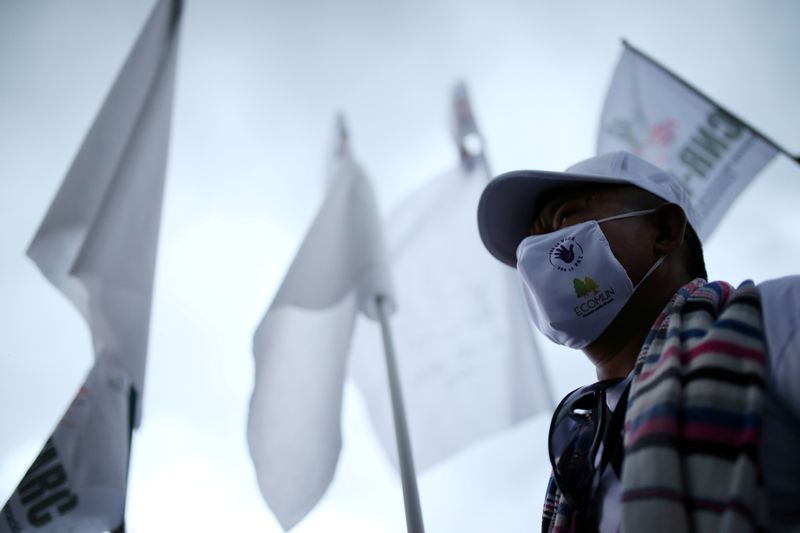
x,y
301,345
97,245
465,350
651,112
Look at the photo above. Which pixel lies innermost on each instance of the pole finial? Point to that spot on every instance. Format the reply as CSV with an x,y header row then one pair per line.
x,y
342,136
465,129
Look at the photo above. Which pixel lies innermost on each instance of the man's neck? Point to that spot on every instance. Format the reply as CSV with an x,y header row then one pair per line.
x,y
615,352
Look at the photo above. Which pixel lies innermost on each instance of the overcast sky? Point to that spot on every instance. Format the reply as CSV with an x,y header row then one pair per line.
x,y
257,88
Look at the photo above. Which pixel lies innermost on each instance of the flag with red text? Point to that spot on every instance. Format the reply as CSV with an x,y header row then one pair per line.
x,y
652,113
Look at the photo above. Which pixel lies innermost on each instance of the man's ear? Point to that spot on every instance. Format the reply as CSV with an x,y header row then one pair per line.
x,y
670,222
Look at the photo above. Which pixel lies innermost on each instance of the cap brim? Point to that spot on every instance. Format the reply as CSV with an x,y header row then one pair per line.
x,y
509,202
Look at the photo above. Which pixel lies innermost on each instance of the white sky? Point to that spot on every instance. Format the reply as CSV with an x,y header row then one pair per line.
x,y
258,85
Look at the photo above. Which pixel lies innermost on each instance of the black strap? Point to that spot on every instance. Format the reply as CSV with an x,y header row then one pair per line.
x,y
613,453
613,449
588,514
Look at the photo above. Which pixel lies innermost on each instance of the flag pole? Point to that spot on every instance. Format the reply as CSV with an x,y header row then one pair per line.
x,y
131,424
513,291
776,146
472,151
408,475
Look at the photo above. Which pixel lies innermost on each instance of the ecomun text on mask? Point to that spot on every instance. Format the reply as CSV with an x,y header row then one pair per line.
x,y
594,302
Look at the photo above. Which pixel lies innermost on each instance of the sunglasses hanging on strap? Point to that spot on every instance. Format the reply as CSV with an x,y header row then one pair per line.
x,y
581,426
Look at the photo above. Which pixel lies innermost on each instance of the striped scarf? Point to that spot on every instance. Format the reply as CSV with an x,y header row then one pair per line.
x,y
693,421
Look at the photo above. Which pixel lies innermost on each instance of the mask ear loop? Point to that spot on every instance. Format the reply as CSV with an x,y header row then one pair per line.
x,y
636,214
627,215
652,269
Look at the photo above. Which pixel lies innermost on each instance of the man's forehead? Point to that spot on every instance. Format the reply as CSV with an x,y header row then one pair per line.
x,y
593,191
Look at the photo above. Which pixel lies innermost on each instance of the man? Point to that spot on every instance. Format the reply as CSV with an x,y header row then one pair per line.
x,y
704,378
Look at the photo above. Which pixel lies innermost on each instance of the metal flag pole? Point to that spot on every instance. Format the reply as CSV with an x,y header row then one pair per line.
x,y
472,150
514,300
131,423
408,475
467,136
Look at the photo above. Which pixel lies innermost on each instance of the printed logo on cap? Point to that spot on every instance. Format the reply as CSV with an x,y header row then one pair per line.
x,y
566,255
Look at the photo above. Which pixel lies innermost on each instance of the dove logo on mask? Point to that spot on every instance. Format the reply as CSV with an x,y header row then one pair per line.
x,y
581,270
566,255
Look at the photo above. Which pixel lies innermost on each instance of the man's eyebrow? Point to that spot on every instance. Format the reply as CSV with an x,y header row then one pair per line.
x,y
554,200
545,215
542,219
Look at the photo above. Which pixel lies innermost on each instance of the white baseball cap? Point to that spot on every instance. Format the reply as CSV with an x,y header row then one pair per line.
x,y
510,200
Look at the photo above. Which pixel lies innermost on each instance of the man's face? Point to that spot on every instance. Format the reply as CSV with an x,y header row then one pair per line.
x,y
630,239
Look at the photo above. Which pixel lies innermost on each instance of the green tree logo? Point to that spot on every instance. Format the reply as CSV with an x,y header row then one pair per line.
x,y
585,286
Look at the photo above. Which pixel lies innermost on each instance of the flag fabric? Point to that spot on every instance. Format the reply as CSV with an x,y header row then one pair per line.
x,y
651,112
97,245
465,351
301,345
77,483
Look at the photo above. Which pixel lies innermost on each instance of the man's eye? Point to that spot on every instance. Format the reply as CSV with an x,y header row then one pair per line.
x,y
561,218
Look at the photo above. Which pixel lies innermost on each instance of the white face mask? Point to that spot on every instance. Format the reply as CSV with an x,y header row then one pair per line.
x,y
573,285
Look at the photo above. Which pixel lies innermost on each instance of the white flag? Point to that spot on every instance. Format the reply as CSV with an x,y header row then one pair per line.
x,y
654,114
301,345
97,244
77,483
465,350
